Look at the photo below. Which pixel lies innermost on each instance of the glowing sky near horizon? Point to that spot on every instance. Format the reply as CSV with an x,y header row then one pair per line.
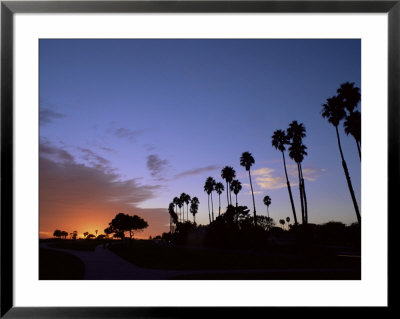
x,y
126,125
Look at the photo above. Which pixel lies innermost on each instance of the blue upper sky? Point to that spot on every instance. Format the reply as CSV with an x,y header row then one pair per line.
x,y
163,115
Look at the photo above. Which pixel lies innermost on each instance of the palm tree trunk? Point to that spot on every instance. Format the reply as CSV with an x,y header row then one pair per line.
x,y
209,215
301,196
212,207
304,196
268,211
236,201
254,204
227,192
346,172
289,190
230,193
219,202
187,211
359,150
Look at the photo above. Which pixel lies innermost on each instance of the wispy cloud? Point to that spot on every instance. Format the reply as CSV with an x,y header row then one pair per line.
x,y
197,171
94,159
47,116
127,133
267,178
156,166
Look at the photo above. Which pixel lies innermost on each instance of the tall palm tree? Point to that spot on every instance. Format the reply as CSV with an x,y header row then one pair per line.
x,y
208,188
187,201
279,140
236,188
180,204
228,174
352,126
267,202
219,188
171,212
247,160
183,201
296,132
350,96
194,206
334,112
176,202
211,187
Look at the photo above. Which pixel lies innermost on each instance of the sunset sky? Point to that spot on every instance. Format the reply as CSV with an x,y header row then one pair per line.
x,y
126,125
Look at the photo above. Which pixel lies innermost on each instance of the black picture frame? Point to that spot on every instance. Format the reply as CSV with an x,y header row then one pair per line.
x,y
9,8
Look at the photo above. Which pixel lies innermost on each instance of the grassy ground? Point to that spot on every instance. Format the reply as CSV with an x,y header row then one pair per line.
x,y
55,265
147,254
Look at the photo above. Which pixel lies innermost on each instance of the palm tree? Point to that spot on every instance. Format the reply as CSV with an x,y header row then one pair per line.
x,y
194,206
183,200
171,212
208,188
219,188
247,160
282,222
176,203
187,201
180,204
295,133
210,185
228,174
350,96
236,188
279,140
352,126
288,221
334,112
267,202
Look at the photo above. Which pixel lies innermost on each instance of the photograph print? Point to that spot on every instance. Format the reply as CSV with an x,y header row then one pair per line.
x,y
200,159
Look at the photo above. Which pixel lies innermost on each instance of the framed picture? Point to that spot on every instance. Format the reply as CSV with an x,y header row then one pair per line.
x,y
161,156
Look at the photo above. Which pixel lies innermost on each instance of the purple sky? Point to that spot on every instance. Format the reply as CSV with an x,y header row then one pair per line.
x,y
126,125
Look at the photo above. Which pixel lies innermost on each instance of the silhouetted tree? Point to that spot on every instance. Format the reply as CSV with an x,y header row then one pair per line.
x,y
180,204
74,234
297,151
57,233
64,234
247,160
85,234
219,188
288,221
108,231
228,174
279,140
333,110
282,222
124,222
176,202
352,126
187,201
171,212
96,231
265,222
209,188
267,202
350,96
182,199
194,206
236,188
